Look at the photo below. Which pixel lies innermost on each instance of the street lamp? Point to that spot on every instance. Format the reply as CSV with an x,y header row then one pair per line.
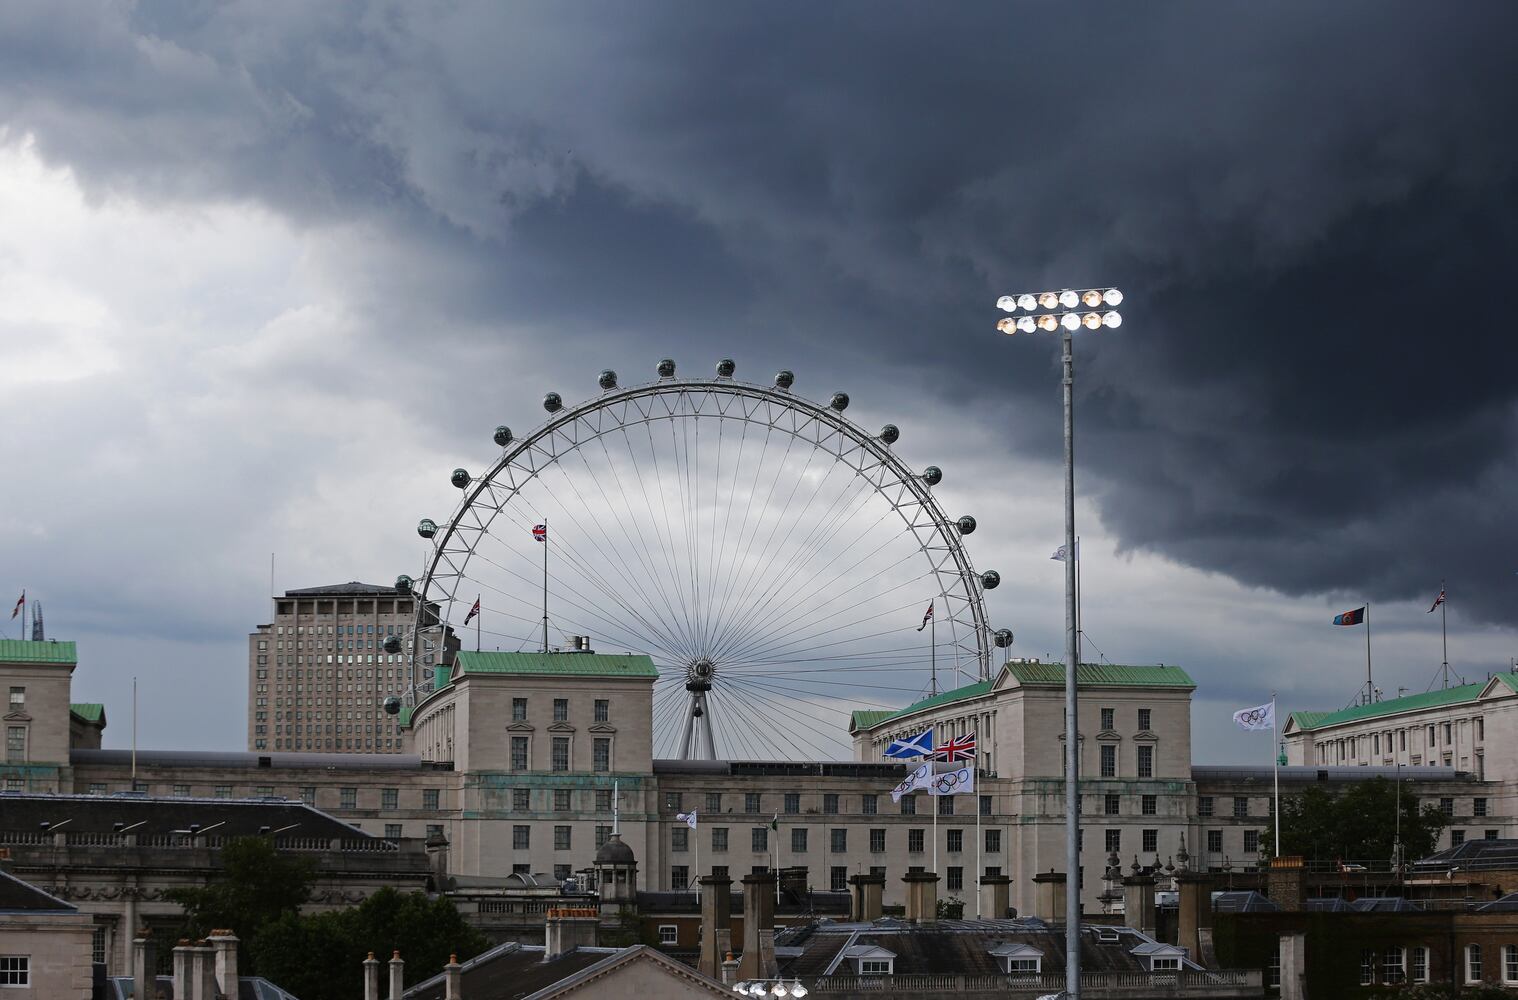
x,y
1070,310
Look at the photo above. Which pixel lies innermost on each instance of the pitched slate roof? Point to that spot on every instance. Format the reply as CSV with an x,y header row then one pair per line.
x,y
1391,706
17,896
89,711
556,664
26,651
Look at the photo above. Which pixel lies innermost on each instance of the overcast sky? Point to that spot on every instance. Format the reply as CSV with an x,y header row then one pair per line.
x,y
269,271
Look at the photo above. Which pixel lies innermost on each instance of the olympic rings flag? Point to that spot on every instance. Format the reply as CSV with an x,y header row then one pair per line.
x,y
958,781
939,778
1257,718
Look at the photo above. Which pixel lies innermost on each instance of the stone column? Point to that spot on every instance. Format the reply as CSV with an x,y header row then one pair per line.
x,y
1138,903
371,978
995,896
758,959
922,896
397,976
1049,897
716,923
1293,966
182,969
224,946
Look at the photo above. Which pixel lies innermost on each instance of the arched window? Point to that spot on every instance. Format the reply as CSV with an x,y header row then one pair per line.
x,y
1393,969
1420,964
1473,963
1510,964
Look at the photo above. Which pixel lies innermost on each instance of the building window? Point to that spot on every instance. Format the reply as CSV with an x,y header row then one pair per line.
x,y
603,710
830,804
955,841
1111,804
1164,964
914,841
561,838
430,799
219,791
792,802
1510,963
759,839
909,805
1478,807
1367,967
798,840
1109,760
603,800
15,970
877,840
1473,972
1456,838
956,880
985,805
669,934
562,799
672,802
521,838
679,839
679,876
838,878
840,840
1146,761
434,830
1151,841
1215,841
18,697
1251,841
181,791
1447,806
1114,839
1149,805
1420,965
519,753
1204,805
390,798
603,834
719,839
561,753
993,841
1109,717
1146,720
521,799
392,831
519,710
97,945
1491,835
561,710
713,802
15,743
1240,807
348,798
751,802
869,805
601,754
1449,739
945,805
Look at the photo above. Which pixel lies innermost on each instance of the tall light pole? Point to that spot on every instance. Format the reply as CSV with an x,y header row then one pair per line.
x,y
1050,311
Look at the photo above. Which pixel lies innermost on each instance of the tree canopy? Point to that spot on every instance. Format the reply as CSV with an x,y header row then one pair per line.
x,y
259,885
1358,823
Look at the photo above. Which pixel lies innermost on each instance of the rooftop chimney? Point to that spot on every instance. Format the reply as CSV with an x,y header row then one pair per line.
x,y
1049,896
1285,882
371,978
397,976
995,896
453,979
224,946
922,896
1194,919
1138,903
202,972
865,897
568,928
716,923
144,964
182,969
758,958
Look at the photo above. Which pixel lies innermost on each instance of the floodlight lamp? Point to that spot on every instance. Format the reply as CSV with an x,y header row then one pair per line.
x,y
1112,320
1007,325
1070,321
1047,322
1091,321
797,990
1027,302
780,990
1006,304
1091,298
1069,299
741,989
1112,297
1048,300
1026,324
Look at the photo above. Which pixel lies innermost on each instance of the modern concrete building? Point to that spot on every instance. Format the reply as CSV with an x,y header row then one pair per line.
x,y
318,674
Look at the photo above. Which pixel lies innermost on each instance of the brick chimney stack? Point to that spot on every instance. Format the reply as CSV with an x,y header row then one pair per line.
x,y
716,923
568,928
758,958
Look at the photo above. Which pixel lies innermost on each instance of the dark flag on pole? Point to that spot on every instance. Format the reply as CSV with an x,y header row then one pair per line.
x,y
21,603
1354,617
1437,601
472,612
927,617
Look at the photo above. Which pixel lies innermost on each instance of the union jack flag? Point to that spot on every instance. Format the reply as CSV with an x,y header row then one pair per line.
x,y
958,748
540,532
472,611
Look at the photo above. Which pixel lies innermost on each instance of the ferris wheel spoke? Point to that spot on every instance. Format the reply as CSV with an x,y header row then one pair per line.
x,y
746,537
772,718
664,540
677,577
752,724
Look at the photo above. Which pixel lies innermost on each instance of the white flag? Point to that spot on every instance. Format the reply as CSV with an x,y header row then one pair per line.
x,y
953,778
689,819
1260,717
919,777
1059,553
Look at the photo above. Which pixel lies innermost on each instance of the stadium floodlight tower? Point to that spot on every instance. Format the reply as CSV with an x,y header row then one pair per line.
x,y
1068,310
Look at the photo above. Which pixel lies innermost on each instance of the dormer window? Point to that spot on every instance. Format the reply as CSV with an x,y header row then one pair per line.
x,y
1017,958
870,960
1160,957
1165,963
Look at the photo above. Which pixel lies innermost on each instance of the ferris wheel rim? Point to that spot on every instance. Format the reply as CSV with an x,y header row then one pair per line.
x,y
976,645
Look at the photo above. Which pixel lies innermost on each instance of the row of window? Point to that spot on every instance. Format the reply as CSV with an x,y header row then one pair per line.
x,y
1410,965
832,804
601,710
1394,741
838,840
347,797
559,753
838,875
1206,805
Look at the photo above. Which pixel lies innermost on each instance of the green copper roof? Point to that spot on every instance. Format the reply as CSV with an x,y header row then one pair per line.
x,y
404,716
1102,675
1392,706
23,651
867,717
1089,675
89,711
557,664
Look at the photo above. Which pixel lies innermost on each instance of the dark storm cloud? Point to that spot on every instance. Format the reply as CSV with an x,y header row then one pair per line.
x,y
1310,205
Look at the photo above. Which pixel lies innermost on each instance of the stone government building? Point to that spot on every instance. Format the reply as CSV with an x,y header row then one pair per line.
x,y
510,764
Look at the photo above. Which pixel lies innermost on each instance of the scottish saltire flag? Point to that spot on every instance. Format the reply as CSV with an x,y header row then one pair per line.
x,y
689,819
20,603
540,532
1059,553
919,777
472,612
1257,718
920,745
927,617
961,748
1354,617
1437,601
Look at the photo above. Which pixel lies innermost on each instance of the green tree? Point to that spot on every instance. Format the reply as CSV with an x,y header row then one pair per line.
x,y
258,885
1358,824
320,957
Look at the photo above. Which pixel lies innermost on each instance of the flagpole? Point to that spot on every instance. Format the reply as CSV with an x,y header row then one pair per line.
x,y
477,618
933,645
1080,635
134,734
933,801
978,844
1370,686
545,584
1444,628
1275,762
697,831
